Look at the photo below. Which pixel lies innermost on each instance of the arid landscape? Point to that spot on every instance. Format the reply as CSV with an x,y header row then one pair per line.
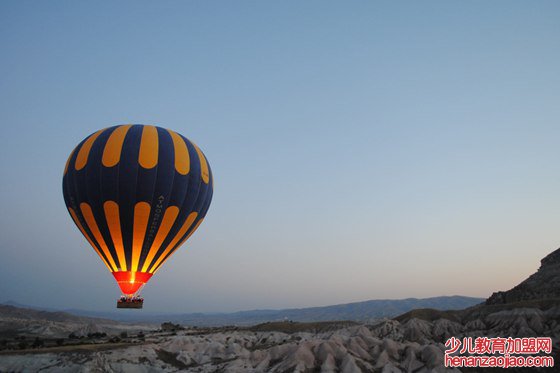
x,y
279,186
412,342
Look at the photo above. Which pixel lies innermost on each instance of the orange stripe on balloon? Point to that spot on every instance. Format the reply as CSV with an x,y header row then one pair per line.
x,y
114,222
203,165
113,147
166,224
68,161
83,154
190,219
182,159
92,224
141,215
180,243
75,218
148,156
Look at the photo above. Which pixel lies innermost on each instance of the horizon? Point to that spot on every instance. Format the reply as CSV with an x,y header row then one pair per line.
x,y
145,315
152,313
364,151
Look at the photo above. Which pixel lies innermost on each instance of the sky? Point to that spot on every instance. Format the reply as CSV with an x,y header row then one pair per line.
x,y
360,149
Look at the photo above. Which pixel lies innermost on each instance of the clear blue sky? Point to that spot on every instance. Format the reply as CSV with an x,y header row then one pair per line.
x,y
360,149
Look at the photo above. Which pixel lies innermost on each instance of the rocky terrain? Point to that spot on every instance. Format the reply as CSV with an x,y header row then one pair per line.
x,y
23,322
380,347
414,345
412,342
542,285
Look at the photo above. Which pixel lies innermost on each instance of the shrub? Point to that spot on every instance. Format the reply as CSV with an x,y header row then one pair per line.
x,y
38,342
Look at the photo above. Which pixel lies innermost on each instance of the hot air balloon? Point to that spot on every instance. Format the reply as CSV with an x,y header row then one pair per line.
x,y
137,193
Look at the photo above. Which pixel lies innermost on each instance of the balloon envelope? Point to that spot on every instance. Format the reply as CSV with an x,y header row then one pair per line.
x,y
137,193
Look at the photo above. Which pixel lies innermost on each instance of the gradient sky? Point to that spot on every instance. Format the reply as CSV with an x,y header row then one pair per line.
x,y
360,149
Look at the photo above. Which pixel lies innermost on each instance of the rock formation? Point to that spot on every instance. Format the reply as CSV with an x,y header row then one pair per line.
x,y
541,286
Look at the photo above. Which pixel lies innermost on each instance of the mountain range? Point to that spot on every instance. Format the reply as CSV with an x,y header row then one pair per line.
x,y
358,311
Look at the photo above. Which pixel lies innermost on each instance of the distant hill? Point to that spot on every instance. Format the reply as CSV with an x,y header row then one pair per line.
x,y
19,313
358,311
17,321
539,292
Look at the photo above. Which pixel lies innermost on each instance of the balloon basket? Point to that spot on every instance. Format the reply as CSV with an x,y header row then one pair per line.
x,y
130,303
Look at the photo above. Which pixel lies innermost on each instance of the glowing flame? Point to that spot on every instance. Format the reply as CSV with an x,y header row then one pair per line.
x,y
130,282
